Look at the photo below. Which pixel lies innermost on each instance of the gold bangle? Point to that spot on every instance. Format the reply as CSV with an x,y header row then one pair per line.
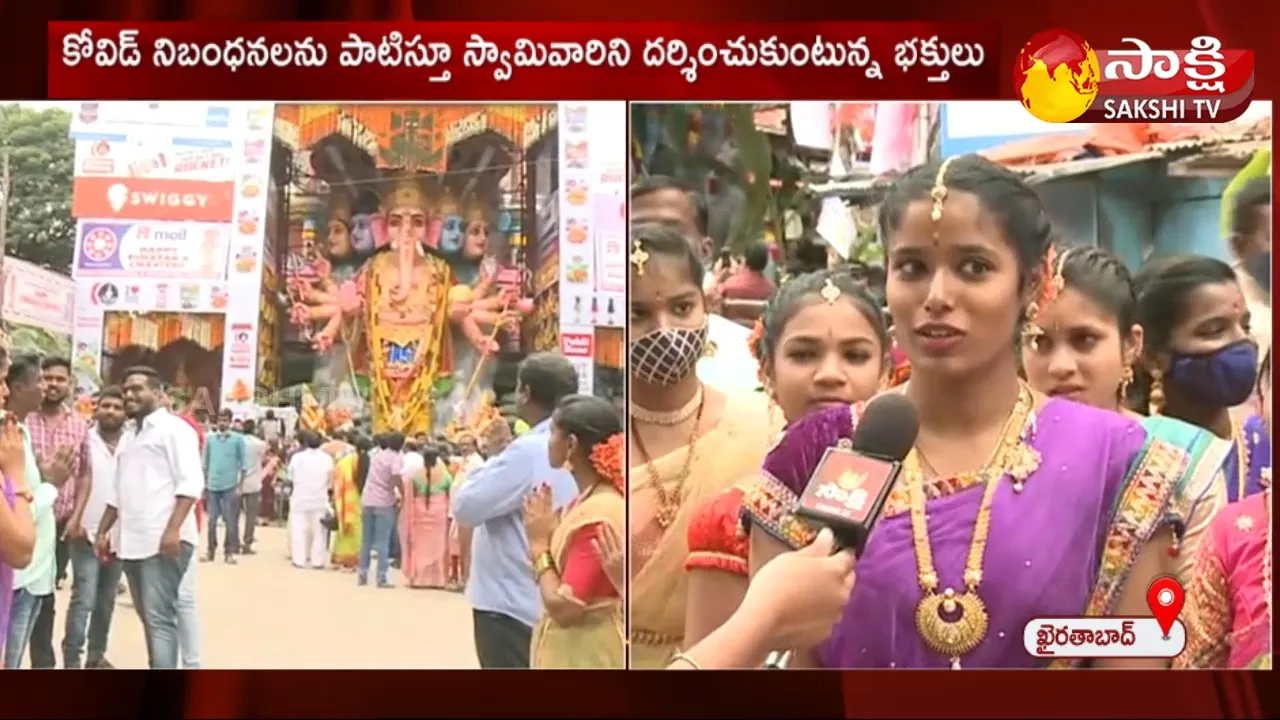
x,y
681,657
542,562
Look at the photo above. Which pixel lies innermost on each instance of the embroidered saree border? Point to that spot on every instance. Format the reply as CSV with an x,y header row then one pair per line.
x,y
1142,508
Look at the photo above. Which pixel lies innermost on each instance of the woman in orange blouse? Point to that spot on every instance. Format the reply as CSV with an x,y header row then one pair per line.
x,y
582,623
821,340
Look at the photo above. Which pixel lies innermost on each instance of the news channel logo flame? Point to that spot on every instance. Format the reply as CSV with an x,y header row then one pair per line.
x,y
1056,76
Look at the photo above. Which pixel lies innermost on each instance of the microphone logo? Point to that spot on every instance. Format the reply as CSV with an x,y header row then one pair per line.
x,y
850,480
843,486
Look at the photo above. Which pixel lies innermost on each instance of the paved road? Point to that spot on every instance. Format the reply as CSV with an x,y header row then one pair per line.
x,y
265,614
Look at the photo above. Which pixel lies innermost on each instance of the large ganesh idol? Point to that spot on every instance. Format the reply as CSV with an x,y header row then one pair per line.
x,y
411,302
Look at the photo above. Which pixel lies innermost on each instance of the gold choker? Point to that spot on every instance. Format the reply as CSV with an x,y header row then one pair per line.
x,y
667,419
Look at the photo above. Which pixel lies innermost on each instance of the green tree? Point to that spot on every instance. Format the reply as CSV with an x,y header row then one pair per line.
x,y
664,143
37,341
41,166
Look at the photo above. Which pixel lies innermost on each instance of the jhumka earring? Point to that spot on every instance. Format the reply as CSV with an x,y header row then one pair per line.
x,y
639,257
1047,290
939,194
1155,401
1126,379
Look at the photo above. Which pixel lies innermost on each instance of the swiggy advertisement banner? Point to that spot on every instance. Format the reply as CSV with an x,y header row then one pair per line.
x,y
152,199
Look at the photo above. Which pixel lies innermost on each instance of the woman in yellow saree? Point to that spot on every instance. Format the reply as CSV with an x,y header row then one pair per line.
x,y
582,621
688,441
346,504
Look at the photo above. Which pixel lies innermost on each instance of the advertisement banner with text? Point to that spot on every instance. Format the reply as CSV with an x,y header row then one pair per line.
x,y
37,297
152,250
152,199
244,276
125,119
154,159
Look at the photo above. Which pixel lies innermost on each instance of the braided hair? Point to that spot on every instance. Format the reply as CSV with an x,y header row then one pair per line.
x,y
598,427
795,294
1103,278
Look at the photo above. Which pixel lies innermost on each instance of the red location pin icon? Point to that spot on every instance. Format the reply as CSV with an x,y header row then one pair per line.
x,y
1165,598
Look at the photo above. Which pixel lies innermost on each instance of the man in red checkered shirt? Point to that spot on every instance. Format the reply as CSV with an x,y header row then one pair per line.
x,y
176,402
59,436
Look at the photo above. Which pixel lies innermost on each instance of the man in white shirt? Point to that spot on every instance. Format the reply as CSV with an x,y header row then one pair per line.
x,y
470,450
728,365
311,470
93,594
158,480
255,453
411,460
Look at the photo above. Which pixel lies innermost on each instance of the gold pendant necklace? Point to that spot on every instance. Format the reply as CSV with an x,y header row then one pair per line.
x,y
953,623
668,503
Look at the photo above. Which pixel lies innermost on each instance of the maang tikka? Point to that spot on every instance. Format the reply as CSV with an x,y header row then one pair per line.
x,y
639,257
939,195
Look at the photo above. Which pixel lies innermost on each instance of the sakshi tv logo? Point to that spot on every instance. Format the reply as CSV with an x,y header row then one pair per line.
x,y
1060,78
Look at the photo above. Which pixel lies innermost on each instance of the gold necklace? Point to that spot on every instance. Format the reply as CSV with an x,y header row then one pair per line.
x,y
1242,457
953,623
667,419
669,502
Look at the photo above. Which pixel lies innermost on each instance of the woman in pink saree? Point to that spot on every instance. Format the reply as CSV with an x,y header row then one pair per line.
x,y
424,523
1228,615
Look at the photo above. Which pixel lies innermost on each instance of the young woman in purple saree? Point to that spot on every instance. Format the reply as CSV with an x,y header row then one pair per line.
x,y
1012,506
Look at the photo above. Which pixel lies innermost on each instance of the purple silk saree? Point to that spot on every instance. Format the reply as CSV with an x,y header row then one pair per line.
x,y
1060,547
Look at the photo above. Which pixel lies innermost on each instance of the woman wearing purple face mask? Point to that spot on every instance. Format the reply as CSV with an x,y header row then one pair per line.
x,y
687,442
1199,359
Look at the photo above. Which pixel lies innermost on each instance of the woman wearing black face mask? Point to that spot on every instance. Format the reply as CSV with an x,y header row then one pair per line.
x,y
1199,359
687,441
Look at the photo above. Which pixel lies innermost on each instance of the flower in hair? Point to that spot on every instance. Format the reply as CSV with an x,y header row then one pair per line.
x,y
606,458
755,345
1051,283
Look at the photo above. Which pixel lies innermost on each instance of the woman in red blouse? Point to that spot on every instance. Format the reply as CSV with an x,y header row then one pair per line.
x,y
821,340
582,621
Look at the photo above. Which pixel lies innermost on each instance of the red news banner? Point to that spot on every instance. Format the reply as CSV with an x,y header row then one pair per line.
x,y
525,61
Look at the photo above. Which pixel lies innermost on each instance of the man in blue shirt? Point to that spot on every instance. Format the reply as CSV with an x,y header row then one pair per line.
x,y
224,468
503,594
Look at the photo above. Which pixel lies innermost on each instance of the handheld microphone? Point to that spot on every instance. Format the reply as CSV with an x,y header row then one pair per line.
x,y
848,488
